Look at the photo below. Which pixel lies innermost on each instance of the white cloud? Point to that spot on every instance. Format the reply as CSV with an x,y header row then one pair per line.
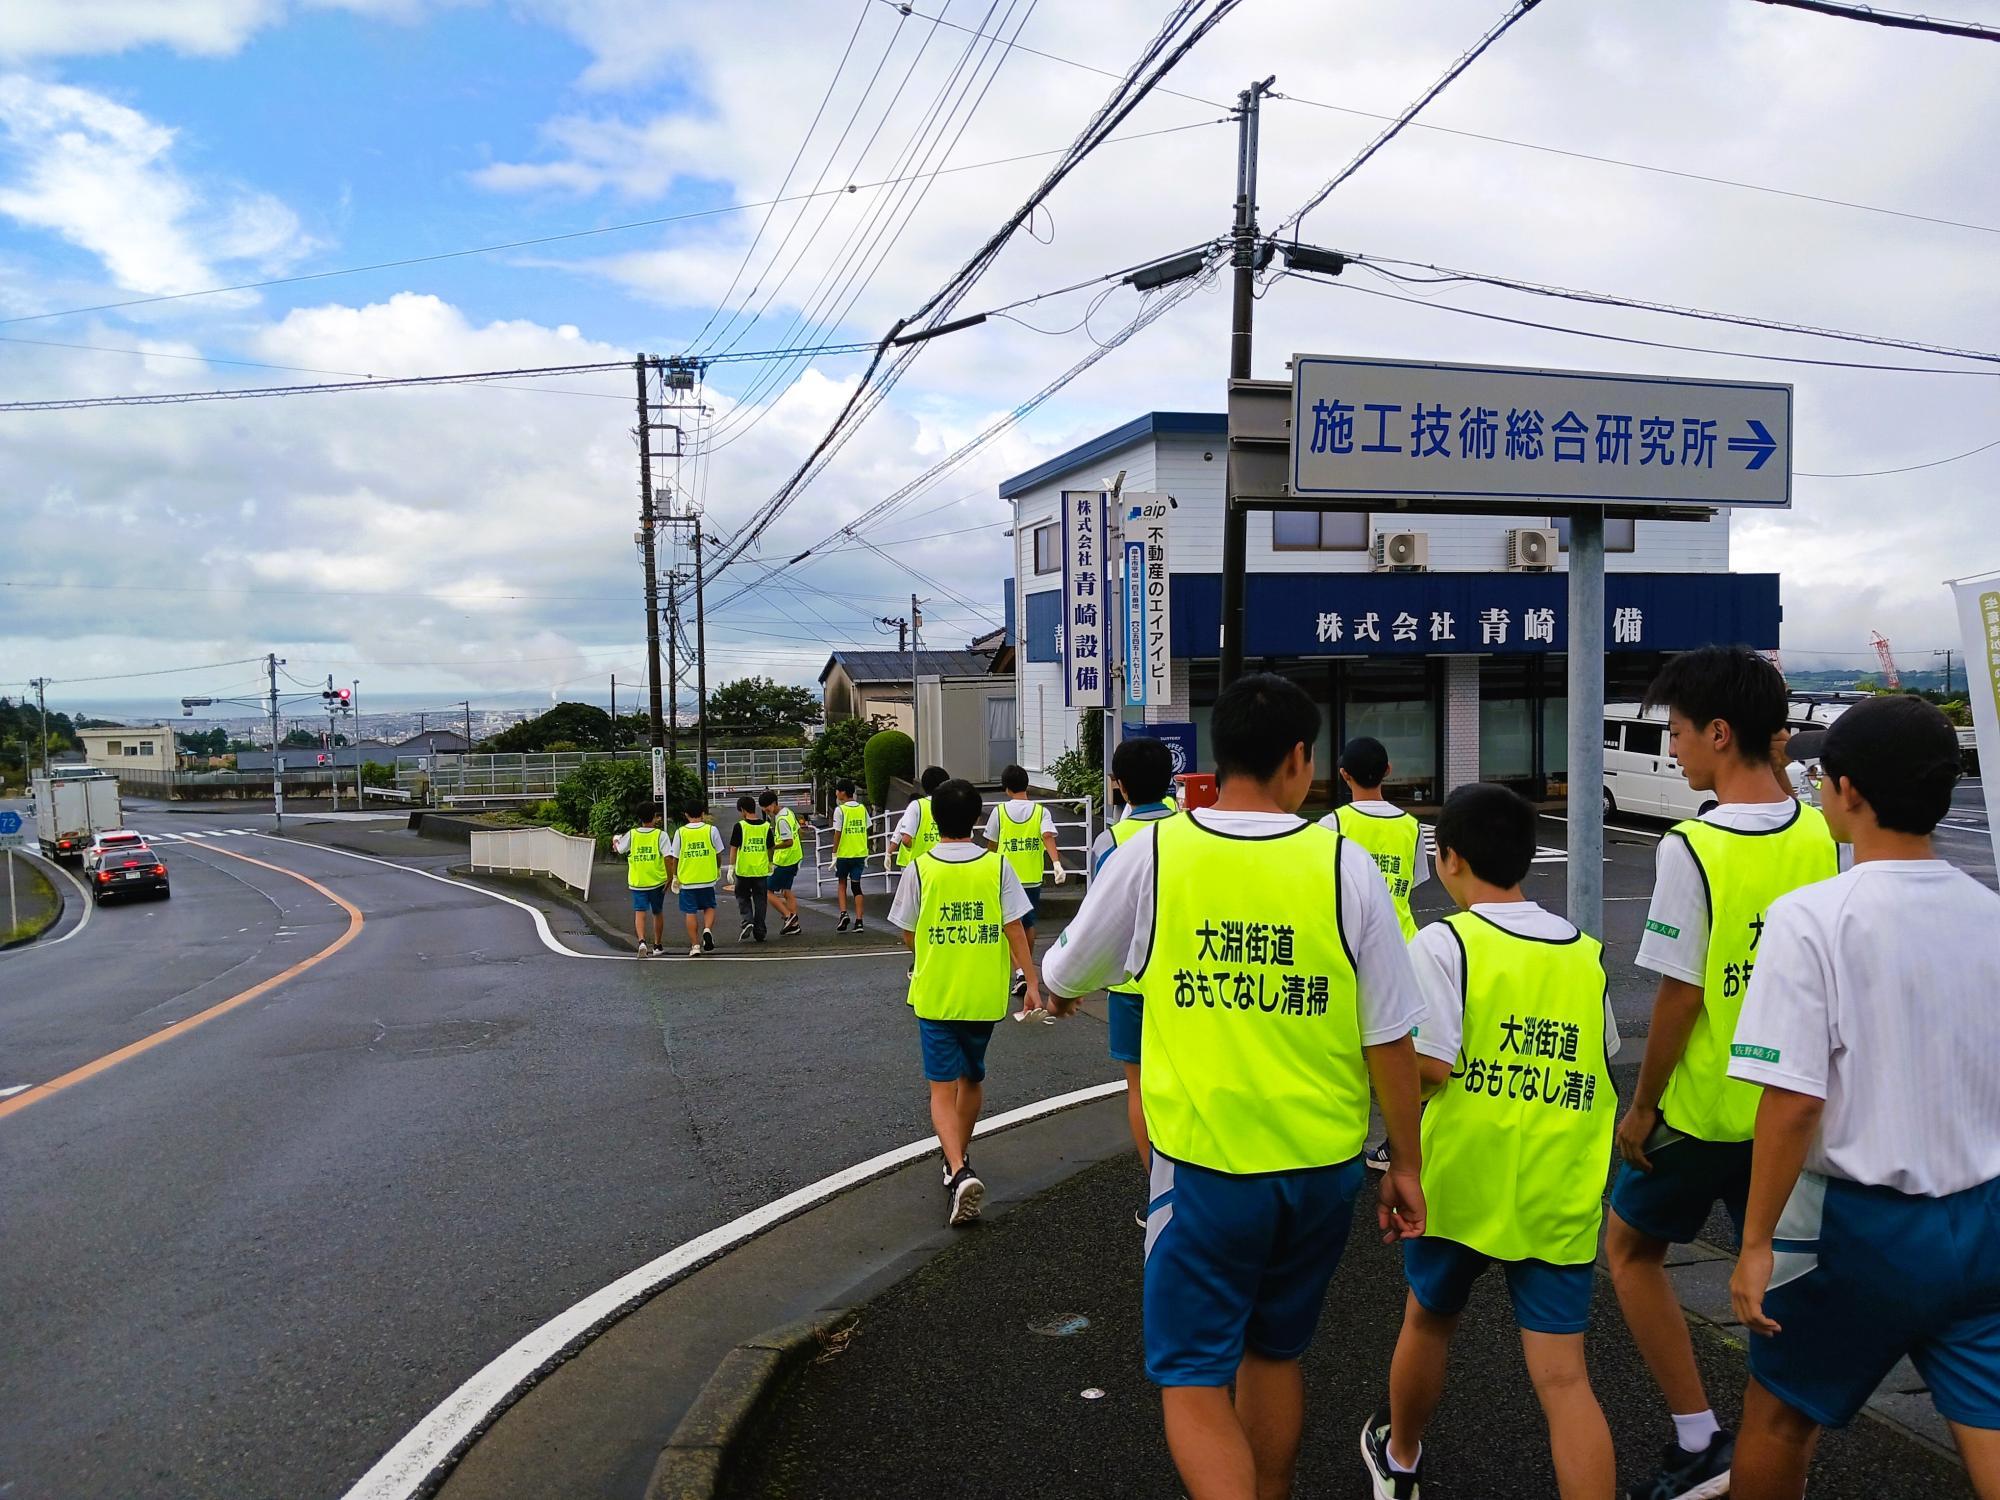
x,y
101,175
202,28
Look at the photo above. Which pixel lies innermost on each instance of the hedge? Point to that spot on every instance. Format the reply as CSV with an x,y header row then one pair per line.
x,y
890,753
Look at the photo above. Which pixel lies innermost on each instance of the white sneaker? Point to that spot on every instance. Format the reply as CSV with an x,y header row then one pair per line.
x,y
644,951
694,950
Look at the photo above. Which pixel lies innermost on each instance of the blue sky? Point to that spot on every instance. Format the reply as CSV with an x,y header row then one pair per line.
x,y
480,539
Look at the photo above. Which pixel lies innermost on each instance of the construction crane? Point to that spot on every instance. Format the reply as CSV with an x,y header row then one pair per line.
x,y
1891,678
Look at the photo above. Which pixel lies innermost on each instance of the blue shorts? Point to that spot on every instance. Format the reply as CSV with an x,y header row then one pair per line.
x,y
1865,1275
1547,1298
1689,1177
955,1049
781,877
850,870
1239,1263
1127,1018
652,899
696,898
1034,906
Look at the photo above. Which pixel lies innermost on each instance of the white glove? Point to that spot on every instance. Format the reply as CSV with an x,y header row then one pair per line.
x,y
1061,874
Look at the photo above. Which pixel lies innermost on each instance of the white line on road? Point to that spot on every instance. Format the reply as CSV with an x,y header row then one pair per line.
x,y
15,1089
1644,833
450,1427
83,895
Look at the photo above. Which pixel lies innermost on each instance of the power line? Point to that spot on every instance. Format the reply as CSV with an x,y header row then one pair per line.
x,y
1906,469
1900,19
1396,126
160,672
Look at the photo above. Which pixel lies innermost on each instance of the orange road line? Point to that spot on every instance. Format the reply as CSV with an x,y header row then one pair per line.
x,y
355,922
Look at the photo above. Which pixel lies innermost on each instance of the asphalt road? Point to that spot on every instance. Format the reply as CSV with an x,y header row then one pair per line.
x,y
245,1261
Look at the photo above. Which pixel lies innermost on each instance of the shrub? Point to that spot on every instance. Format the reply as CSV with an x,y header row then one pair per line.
x,y
889,753
838,752
1076,775
374,773
603,797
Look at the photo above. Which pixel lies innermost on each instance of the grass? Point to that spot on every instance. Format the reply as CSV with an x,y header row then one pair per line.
x,y
36,900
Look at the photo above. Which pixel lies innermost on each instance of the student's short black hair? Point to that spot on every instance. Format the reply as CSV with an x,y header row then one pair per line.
x,y
1145,768
956,804
1366,759
1014,779
650,811
933,778
695,808
1256,721
746,803
1901,753
845,786
1730,683
767,798
1491,828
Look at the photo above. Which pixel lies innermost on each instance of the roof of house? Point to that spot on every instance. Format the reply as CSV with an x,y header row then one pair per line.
x,y
894,666
1210,424
432,739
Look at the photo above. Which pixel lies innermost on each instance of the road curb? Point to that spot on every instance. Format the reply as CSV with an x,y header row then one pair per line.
x,y
696,1461
62,905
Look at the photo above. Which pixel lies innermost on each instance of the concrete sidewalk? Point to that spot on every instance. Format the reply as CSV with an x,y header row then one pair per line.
x,y
969,1379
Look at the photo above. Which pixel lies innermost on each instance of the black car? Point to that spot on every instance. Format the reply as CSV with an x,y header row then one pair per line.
x,y
128,870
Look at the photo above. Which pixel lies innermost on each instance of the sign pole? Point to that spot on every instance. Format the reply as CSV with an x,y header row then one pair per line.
x,y
1586,720
13,915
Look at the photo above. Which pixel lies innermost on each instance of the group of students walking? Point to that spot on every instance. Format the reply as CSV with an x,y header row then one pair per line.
x,y
1820,1064
759,864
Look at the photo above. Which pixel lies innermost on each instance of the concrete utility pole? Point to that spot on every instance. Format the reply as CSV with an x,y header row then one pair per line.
x,y
1243,257
40,685
916,629
332,745
673,665
700,668
649,550
271,665
354,723
1586,720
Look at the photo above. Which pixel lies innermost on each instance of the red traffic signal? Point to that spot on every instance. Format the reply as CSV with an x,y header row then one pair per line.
x,y
345,694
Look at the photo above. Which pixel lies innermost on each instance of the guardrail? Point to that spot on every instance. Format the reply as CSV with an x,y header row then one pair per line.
x,y
1073,840
540,851
449,777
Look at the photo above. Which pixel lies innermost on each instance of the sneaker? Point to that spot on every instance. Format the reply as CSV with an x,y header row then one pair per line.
x,y
968,1196
790,929
1691,1476
1020,983
857,924
694,950
708,940
748,928
644,951
1389,1483
844,923
1376,1157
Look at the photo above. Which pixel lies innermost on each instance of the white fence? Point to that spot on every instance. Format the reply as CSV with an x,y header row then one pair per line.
x,y
540,851
1074,835
449,777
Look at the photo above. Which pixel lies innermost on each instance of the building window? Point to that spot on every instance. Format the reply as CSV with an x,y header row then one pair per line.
x,y
1048,549
1619,535
1319,530
145,747
112,747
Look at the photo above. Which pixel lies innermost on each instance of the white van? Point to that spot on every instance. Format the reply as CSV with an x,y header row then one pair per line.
x,y
1640,772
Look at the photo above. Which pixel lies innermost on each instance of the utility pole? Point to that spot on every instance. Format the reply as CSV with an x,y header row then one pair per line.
x,y
916,633
40,685
1243,258
271,665
332,745
1946,654
700,666
674,666
354,726
614,716
649,550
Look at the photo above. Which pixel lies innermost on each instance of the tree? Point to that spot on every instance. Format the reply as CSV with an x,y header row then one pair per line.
x,y
578,723
203,741
838,753
300,739
759,706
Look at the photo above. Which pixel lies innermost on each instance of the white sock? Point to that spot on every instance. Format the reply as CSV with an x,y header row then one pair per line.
x,y
1397,1468
1694,1432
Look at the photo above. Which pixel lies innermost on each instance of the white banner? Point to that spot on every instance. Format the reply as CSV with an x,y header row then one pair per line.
x,y
659,773
1979,623
1088,612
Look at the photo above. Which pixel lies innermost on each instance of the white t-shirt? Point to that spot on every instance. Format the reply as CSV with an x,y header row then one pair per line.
x,y
913,819
674,852
1017,809
1440,973
1879,992
909,902
1112,932
1680,895
1420,871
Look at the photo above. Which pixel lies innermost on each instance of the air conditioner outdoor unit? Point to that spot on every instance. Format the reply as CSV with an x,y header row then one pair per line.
x,y
1532,549
1402,551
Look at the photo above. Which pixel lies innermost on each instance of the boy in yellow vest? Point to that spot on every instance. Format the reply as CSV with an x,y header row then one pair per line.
x,y
1685,1139
1516,1138
750,866
1024,833
1379,826
850,851
646,876
1276,986
787,850
960,908
917,832
694,865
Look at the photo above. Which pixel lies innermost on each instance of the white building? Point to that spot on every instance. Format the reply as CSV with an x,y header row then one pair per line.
x,y
1456,667
145,747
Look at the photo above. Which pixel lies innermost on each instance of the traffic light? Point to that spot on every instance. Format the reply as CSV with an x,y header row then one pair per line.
x,y
344,696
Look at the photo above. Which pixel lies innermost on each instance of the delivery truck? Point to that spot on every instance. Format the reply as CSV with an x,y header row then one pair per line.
x,y
71,811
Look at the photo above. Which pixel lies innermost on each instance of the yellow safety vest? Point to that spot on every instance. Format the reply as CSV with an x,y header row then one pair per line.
x,y
1121,833
927,836
1021,843
1392,843
1252,1037
1744,872
963,965
754,857
700,856
851,818
1517,1142
645,865
788,828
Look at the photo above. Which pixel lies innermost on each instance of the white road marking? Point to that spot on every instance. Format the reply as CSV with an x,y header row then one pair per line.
x,y
83,894
15,1089
450,1427
242,832
1644,833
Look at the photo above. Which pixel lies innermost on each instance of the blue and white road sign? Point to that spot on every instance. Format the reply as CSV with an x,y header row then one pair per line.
x,y
10,821
1366,429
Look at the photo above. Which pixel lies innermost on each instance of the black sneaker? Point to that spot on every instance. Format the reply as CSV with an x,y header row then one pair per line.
x,y
1376,1157
1691,1476
1388,1483
844,923
708,940
968,1196
1020,983
748,928
857,924
790,928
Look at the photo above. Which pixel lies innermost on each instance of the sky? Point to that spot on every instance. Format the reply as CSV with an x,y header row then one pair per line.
x,y
479,539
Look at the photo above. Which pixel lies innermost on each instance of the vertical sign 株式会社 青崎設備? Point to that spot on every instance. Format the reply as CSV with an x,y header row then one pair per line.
x,y
1087,614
